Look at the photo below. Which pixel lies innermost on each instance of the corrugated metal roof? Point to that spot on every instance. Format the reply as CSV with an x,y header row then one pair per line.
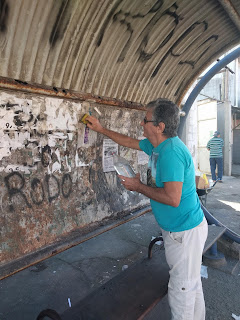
x,y
130,50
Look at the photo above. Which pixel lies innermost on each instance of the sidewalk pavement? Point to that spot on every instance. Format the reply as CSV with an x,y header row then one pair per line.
x,y
73,274
224,202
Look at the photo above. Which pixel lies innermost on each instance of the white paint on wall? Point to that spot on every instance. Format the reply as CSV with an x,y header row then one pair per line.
x,y
57,164
57,152
125,196
56,167
79,163
20,118
61,114
16,141
67,164
11,168
70,136
53,138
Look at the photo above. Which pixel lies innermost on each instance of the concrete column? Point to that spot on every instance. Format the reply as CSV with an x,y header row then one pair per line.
x,y
227,169
190,133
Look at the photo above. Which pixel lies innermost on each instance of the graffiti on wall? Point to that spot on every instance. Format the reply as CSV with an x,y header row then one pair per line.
x,y
160,14
37,136
52,183
49,188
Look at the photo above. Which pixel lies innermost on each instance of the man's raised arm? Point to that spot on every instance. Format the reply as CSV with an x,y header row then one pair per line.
x,y
119,138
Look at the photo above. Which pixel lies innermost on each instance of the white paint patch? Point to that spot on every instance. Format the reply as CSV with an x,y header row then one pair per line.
x,y
68,166
125,196
79,163
70,136
12,106
61,114
57,152
20,118
53,138
56,167
11,168
17,141
49,170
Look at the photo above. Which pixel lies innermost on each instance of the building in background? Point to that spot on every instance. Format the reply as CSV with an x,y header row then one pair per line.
x,y
217,108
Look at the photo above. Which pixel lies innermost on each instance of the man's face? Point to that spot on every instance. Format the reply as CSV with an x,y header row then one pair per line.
x,y
149,130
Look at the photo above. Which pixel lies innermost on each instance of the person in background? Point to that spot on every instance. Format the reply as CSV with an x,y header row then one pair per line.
x,y
215,146
174,201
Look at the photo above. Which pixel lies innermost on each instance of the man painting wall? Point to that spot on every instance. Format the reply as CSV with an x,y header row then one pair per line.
x,y
175,204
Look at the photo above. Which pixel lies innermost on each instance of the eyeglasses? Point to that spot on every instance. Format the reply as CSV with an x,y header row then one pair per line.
x,y
146,121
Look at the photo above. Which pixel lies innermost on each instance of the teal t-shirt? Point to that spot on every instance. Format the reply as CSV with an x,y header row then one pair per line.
x,y
172,161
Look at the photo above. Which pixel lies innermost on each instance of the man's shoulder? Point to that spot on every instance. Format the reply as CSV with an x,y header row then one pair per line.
x,y
146,146
214,139
176,147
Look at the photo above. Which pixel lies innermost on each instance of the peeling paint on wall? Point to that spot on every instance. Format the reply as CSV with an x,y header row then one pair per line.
x,y
51,182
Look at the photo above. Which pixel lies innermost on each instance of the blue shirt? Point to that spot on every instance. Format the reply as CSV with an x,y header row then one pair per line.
x,y
172,161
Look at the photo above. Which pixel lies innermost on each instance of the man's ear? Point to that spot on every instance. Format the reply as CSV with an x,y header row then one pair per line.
x,y
161,127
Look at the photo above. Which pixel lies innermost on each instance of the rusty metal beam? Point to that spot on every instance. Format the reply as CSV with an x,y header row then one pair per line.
x,y
18,85
231,11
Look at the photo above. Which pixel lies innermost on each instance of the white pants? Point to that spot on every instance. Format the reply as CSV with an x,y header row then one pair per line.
x,y
183,252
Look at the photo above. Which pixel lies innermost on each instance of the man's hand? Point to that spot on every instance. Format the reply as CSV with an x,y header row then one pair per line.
x,y
119,138
131,184
170,194
94,124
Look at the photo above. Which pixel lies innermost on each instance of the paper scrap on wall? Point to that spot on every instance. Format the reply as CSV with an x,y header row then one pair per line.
x,y
109,147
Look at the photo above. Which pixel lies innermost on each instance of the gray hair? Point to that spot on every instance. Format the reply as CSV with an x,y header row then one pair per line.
x,y
164,110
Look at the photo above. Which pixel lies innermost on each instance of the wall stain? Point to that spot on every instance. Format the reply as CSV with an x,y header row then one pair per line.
x,y
39,267
46,155
66,185
4,11
106,22
61,22
37,191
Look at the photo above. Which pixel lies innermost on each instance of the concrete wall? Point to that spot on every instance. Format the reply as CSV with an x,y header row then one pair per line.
x,y
190,130
224,125
51,176
192,134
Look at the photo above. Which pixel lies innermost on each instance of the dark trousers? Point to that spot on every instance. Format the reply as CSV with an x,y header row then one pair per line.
x,y
219,163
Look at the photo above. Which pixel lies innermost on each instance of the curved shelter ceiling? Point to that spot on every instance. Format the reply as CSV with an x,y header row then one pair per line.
x,y
131,50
